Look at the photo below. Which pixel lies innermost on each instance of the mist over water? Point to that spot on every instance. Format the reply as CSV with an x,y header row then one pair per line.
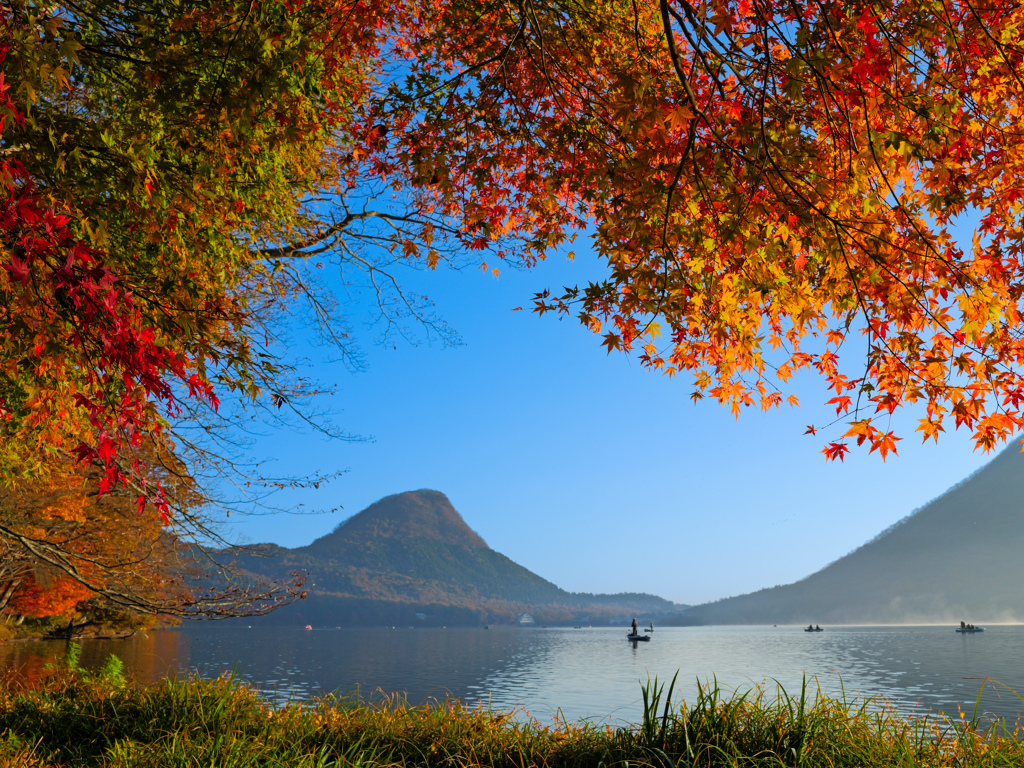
x,y
582,673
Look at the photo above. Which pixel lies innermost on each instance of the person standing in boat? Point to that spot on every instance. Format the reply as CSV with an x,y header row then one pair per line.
x,y
635,625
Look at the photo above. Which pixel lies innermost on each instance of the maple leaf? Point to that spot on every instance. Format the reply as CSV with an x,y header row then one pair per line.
x,y
842,403
835,451
884,444
19,270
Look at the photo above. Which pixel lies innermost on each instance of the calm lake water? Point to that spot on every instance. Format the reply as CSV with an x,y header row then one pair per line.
x,y
584,673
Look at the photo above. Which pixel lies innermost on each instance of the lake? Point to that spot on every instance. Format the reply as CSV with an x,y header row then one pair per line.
x,y
589,673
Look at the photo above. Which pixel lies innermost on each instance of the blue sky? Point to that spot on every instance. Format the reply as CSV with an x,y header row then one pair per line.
x,y
583,467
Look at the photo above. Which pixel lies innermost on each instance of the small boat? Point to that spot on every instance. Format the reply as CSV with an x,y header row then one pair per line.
x,y
814,629
309,626
969,630
648,629
638,638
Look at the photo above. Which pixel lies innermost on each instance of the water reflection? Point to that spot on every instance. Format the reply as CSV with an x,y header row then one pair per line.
x,y
582,673
149,657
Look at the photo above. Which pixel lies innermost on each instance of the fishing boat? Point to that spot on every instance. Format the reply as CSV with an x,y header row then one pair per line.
x,y
969,630
638,638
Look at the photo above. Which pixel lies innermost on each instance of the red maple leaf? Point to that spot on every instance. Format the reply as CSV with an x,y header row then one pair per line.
x,y
835,451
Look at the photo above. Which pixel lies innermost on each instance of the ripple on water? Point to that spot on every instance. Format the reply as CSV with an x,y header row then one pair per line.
x,y
585,673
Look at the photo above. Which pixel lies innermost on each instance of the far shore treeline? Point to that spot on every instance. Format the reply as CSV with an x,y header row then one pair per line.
x,y
776,190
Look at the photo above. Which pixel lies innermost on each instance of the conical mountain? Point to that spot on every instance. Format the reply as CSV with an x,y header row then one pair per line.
x,y
412,554
411,544
960,557
398,525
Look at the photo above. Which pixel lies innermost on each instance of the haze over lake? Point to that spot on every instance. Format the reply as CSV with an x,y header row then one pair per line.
x,y
583,673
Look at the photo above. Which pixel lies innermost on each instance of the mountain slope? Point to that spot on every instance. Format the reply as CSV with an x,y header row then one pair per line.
x,y
958,557
412,553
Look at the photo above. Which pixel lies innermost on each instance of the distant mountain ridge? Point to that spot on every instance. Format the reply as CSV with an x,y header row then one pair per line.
x,y
411,558
959,557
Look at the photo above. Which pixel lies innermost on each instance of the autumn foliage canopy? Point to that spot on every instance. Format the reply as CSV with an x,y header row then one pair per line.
x,y
777,189
149,156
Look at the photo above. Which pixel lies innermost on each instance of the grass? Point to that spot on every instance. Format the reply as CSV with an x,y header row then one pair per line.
x,y
78,720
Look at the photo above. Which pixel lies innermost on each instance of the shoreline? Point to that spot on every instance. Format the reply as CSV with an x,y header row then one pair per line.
x,y
74,718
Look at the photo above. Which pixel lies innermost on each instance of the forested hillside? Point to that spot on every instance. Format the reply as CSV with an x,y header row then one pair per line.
x,y
412,553
957,558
